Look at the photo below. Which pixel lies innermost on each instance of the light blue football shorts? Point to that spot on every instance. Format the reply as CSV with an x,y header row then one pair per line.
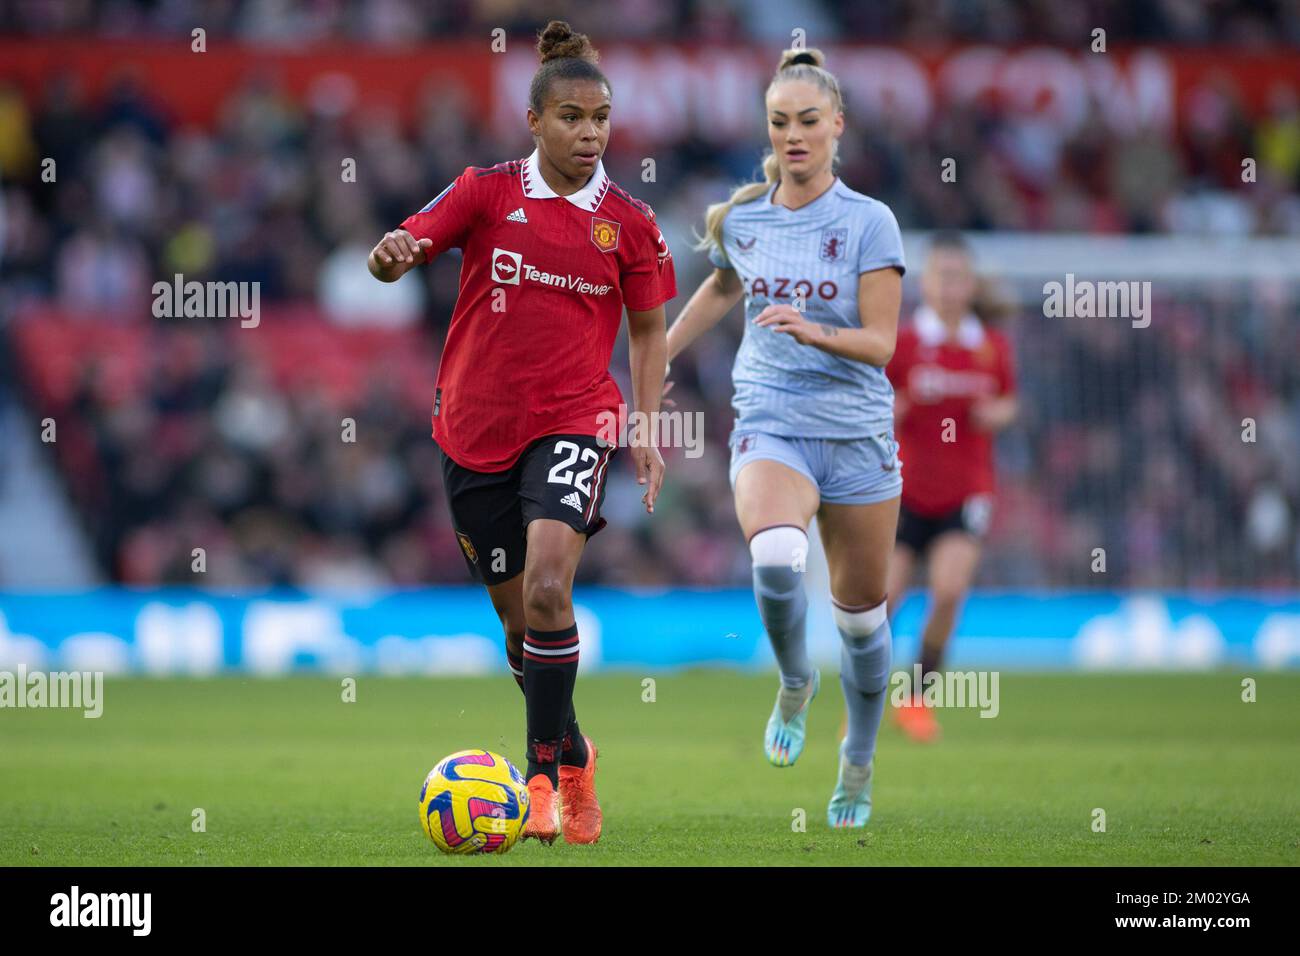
x,y
845,471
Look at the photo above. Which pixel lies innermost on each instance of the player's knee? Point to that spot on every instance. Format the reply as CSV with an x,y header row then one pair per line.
x,y
546,598
851,587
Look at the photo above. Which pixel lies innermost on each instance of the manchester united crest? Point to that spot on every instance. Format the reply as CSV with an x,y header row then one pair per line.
x,y
467,547
604,234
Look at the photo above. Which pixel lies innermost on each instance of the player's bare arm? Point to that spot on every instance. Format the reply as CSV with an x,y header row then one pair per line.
x,y
395,254
648,355
880,295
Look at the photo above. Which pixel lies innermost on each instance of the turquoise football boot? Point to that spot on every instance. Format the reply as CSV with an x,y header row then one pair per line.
x,y
783,742
850,804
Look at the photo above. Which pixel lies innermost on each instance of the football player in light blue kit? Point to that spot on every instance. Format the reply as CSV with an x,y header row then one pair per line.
x,y
819,267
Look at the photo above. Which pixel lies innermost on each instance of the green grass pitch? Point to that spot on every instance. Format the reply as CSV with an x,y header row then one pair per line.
x,y
289,774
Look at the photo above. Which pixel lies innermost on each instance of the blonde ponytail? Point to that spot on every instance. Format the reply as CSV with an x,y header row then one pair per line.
x,y
716,214
807,65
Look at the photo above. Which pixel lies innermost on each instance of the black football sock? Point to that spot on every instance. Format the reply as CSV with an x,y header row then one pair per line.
x,y
574,751
550,671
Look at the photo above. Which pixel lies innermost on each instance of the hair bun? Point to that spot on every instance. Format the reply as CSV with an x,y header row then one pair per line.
x,y
811,57
558,40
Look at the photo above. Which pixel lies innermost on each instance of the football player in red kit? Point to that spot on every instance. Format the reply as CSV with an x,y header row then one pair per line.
x,y
553,253
954,387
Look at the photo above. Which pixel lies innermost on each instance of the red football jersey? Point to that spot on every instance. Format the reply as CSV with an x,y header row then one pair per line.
x,y
939,377
543,285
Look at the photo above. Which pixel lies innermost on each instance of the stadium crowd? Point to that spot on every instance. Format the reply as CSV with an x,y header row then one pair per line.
x,y
1253,22
1122,438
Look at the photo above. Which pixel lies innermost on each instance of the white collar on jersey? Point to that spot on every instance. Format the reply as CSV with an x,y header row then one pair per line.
x,y
589,197
931,330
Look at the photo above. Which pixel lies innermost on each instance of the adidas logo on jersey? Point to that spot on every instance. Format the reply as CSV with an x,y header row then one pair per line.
x,y
572,500
517,216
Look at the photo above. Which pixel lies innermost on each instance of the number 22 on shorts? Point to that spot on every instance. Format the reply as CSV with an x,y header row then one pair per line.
x,y
582,480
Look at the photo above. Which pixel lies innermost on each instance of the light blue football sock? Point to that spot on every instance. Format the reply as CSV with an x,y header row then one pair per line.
x,y
864,676
779,554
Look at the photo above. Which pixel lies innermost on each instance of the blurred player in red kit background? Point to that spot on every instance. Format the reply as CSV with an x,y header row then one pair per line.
x,y
955,388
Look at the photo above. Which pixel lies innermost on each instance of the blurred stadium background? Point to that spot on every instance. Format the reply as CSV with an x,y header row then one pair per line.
x,y
227,164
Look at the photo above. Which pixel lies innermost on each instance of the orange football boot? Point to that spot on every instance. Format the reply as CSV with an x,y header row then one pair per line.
x,y
917,721
543,810
578,805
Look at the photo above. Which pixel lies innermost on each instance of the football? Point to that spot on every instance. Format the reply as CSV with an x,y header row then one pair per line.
x,y
474,801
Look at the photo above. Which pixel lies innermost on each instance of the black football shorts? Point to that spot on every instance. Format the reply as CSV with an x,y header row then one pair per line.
x,y
919,531
559,476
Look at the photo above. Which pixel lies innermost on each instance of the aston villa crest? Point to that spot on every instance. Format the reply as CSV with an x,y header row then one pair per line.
x,y
834,242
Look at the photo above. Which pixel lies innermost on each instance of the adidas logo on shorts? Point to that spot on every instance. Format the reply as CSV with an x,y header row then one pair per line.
x,y
572,500
517,216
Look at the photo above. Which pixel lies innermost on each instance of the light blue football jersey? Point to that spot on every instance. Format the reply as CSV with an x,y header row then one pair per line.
x,y
782,387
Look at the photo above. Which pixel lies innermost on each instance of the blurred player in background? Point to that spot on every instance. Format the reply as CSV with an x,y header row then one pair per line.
x,y
820,269
553,252
954,386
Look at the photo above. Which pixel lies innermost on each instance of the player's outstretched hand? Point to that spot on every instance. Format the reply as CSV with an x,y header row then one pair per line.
x,y
664,400
397,252
992,414
789,321
649,472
